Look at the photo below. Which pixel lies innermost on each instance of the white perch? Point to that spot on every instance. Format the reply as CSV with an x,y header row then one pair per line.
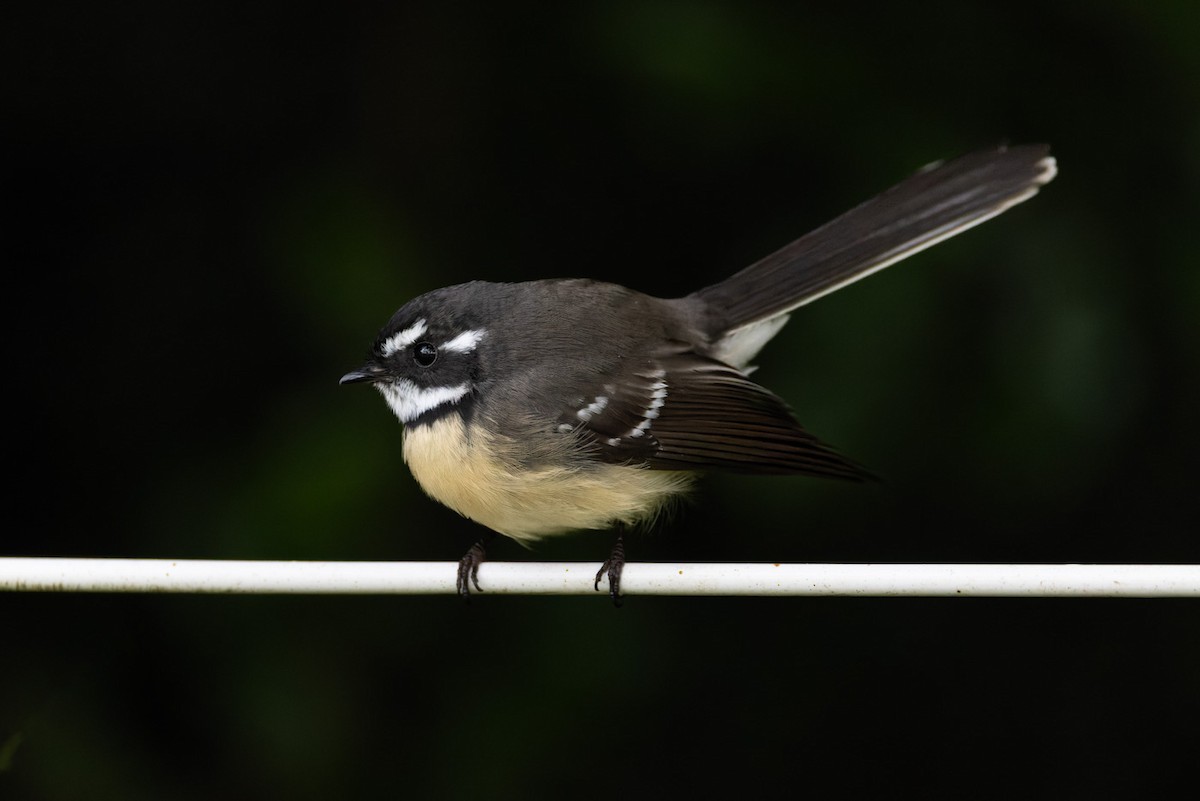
x,y
576,578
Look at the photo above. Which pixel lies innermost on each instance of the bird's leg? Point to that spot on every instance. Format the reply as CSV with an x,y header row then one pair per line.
x,y
613,566
468,566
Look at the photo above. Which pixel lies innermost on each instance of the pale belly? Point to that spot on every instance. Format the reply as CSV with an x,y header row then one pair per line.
x,y
470,478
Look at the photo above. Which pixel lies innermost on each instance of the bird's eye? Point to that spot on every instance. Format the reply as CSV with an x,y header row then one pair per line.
x,y
424,354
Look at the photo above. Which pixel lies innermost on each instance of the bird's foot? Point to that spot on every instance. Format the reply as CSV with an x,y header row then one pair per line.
x,y
468,568
612,567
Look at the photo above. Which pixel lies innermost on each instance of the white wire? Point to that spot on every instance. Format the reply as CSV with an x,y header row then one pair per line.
x,y
576,578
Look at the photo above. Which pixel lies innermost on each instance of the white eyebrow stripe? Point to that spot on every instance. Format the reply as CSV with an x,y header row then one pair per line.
x,y
465,342
409,401
405,338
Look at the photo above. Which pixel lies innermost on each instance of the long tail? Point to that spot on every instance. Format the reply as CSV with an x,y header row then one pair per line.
x,y
936,203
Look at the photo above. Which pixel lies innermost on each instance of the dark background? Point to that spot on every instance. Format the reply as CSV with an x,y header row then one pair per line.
x,y
211,212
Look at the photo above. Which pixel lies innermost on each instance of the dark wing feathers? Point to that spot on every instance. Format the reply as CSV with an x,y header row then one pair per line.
x,y
682,411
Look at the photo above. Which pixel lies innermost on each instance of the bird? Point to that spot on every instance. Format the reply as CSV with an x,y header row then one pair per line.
x,y
546,407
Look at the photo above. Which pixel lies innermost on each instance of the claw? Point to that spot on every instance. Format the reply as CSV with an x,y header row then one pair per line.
x,y
612,567
468,567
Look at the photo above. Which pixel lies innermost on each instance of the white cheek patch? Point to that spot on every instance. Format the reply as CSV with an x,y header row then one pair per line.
x,y
405,338
464,342
409,401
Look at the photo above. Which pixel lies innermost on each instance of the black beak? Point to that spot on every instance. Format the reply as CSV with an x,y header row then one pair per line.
x,y
368,372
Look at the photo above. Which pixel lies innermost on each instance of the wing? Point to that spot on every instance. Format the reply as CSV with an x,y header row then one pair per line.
x,y
682,411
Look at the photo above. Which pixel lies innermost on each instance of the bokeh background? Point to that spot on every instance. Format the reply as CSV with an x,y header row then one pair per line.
x,y
210,212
